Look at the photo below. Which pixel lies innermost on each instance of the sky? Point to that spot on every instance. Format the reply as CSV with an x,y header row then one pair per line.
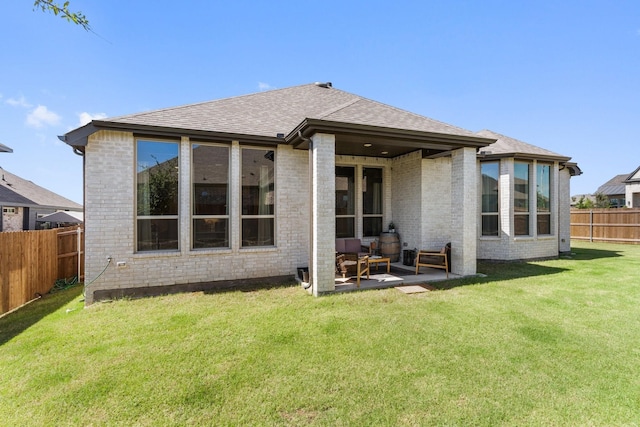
x,y
562,75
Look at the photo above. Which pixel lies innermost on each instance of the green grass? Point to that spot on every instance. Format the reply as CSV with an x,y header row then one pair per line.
x,y
543,343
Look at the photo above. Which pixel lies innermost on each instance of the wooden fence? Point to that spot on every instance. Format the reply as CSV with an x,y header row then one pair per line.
x,y
606,225
32,261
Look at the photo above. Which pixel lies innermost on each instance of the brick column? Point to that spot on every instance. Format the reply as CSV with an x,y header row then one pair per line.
x,y
560,181
322,161
464,211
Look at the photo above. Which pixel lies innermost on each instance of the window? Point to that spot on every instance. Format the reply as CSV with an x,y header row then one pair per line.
x,y
543,198
345,201
521,199
210,192
258,197
157,195
371,202
490,173
9,210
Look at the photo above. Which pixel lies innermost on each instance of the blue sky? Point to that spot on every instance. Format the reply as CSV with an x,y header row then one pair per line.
x,y
563,75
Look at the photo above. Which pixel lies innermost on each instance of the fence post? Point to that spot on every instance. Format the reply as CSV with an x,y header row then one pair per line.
x,y
591,225
79,233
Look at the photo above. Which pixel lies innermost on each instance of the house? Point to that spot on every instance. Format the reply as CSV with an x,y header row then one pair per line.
x,y
22,203
615,190
632,189
257,186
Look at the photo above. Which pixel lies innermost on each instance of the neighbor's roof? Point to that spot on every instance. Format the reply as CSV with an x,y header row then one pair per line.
x,y
63,217
5,149
283,112
634,176
15,191
614,186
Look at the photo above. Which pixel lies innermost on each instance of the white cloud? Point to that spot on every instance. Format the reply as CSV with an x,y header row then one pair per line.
x,y
264,86
18,102
87,117
41,116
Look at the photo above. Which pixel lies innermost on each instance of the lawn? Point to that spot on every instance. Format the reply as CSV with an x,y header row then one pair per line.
x,y
542,343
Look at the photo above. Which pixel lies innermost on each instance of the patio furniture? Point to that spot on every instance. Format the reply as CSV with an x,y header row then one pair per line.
x,y
374,259
352,249
434,259
361,266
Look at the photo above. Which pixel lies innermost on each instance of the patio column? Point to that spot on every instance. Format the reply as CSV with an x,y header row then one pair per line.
x,y
464,211
322,161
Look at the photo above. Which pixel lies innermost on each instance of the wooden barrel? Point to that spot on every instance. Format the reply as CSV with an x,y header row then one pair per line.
x,y
390,246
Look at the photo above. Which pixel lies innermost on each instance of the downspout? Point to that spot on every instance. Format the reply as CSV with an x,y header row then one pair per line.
x,y
308,141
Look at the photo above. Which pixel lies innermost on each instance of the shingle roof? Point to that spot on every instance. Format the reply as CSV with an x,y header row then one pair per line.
x,y
5,149
281,110
508,145
614,186
15,191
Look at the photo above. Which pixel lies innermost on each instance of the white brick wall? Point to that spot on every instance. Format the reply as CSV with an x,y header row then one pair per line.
x,y
464,211
323,217
110,222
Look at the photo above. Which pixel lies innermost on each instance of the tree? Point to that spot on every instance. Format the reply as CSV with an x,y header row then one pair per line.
x,y
63,11
602,201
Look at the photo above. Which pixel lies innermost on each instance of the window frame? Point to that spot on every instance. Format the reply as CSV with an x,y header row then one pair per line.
x,y
372,215
544,213
253,217
193,144
174,218
522,216
352,216
489,214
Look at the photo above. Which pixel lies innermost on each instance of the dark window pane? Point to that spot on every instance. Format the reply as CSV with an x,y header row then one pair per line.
x,y
345,190
544,223
257,232
490,173
372,191
210,233
258,185
345,227
157,178
210,176
543,190
490,225
210,199
521,187
157,234
372,226
521,225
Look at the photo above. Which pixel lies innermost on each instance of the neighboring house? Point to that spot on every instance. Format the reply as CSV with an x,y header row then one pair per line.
x,y
615,191
22,203
260,185
632,189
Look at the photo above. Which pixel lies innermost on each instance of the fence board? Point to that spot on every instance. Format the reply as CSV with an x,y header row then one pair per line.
x,y
606,225
31,262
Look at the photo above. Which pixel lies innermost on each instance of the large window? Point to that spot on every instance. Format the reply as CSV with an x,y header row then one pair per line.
x,y
490,173
521,199
210,191
345,201
156,195
258,197
371,202
543,198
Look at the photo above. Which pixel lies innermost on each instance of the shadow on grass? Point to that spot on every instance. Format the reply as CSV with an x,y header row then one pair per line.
x,y
591,254
15,323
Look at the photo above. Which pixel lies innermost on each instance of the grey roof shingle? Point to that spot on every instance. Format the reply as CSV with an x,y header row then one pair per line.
x,y
615,186
508,145
281,110
16,191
